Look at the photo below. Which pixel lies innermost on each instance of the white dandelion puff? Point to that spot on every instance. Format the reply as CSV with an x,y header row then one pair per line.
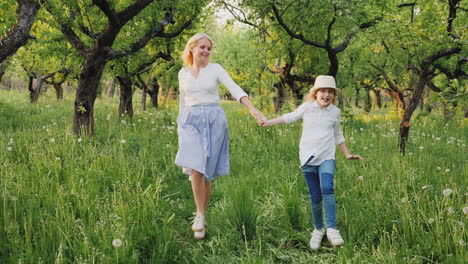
x,y
123,141
450,210
52,140
447,170
430,220
465,210
404,200
116,242
447,192
9,148
461,242
361,178
80,140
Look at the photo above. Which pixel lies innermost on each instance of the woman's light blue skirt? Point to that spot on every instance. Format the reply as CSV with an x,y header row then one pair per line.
x,y
203,141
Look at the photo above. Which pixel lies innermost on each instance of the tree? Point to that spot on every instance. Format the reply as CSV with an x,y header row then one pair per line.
x,y
101,32
419,44
19,32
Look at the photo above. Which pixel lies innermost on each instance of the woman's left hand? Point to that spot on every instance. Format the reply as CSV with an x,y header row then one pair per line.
x,y
259,117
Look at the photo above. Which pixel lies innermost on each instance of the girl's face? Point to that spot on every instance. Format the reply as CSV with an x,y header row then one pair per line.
x,y
325,96
202,51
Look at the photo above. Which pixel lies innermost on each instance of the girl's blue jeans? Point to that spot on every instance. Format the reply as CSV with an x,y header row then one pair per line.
x,y
320,182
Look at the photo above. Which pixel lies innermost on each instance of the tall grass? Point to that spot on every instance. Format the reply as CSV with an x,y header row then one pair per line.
x,y
65,199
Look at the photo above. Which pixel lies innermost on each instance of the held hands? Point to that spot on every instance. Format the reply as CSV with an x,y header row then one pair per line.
x,y
259,117
354,157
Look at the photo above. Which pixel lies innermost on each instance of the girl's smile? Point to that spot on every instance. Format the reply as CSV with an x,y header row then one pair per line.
x,y
325,97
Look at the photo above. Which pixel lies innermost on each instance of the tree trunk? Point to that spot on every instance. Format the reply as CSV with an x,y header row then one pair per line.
x,y
378,98
58,91
36,90
368,105
144,91
356,99
30,86
126,96
112,88
19,33
154,92
2,70
83,119
409,110
280,97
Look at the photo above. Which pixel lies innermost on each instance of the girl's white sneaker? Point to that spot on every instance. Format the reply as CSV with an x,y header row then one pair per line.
x,y
334,237
316,239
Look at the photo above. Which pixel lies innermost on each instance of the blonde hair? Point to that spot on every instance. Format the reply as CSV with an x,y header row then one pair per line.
x,y
312,95
187,56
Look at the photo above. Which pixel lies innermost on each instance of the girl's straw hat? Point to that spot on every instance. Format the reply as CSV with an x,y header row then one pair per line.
x,y
324,81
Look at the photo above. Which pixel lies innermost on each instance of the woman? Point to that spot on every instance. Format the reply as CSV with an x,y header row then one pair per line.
x,y
202,126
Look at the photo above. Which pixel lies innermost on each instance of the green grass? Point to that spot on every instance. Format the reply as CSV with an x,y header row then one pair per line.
x,y
65,199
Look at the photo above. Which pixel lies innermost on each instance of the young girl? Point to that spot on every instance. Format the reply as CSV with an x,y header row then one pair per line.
x,y
321,132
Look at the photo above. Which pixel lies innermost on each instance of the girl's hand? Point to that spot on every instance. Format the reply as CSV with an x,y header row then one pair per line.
x,y
267,123
351,156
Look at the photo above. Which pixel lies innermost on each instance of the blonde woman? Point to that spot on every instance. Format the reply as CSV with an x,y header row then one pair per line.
x,y
321,133
202,126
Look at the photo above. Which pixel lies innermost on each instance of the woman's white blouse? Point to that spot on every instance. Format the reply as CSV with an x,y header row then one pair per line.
x,y
204,89
321,131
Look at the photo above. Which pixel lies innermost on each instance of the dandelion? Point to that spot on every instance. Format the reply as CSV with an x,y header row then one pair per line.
x,y
450,210
465,210
167,145
421,147
461,224
361,178
447,170
424,187
80,140
52,140
57,158
404,200
116,242
123,141
430,220
14,198
439,168
461,242
9,148
447,192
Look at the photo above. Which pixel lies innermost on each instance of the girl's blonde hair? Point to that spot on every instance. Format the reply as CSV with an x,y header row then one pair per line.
x,y
312,95
187,56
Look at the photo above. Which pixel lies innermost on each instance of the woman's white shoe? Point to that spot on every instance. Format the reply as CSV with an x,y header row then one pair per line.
x,y
198,223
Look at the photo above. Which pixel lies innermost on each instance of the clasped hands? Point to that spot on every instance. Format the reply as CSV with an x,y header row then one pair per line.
x,y
259,117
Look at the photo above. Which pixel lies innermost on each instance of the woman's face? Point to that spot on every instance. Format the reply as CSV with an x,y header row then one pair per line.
x,y
325,97
202,51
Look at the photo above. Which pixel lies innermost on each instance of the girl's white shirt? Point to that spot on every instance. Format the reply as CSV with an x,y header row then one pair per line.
x,y
204,88
321,131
